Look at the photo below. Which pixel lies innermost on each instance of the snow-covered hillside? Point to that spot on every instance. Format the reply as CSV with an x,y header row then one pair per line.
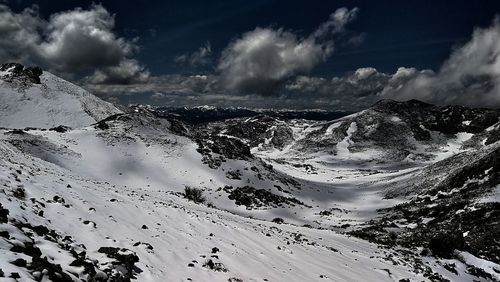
x,y
30,97
361,197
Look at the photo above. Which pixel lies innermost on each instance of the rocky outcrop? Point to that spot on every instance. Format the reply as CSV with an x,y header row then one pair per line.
x,y
11,71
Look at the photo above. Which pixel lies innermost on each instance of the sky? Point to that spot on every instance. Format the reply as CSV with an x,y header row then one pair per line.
x,y
337,55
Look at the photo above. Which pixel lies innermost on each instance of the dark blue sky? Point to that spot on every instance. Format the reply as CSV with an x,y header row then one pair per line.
x,y
398,33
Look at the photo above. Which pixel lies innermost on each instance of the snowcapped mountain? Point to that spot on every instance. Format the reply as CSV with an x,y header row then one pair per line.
x,y
151,195
30,97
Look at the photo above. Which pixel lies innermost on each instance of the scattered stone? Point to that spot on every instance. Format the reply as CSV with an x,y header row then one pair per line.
x,y
278,220
19,262
215,266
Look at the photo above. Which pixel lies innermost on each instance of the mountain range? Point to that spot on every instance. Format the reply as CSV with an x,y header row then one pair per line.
x,y
401,191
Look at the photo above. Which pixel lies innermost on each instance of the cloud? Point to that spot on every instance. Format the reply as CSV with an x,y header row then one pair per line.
x,y
471,75
200,57
260,60
69,42
355,90
336,22
126,72
170,84
20,33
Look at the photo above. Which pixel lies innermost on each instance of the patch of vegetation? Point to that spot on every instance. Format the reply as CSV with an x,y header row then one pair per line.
x,y
251,197
194,194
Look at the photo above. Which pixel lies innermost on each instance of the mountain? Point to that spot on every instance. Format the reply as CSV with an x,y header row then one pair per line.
x,y
402,191
204,114
30,97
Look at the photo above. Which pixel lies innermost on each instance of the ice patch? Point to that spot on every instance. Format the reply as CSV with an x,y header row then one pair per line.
x,y
395,119
330,129
494,197
489,267
343,146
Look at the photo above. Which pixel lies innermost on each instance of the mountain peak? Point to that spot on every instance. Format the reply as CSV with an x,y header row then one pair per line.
x,y
31,97
11,71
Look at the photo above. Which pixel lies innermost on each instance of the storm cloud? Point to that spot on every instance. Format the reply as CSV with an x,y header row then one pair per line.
x,y
69,42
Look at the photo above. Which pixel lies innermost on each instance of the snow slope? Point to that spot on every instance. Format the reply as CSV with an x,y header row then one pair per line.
x,y
107,183
51,103
99,213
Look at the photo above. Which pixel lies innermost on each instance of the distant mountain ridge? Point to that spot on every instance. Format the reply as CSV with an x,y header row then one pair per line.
x,y
203,114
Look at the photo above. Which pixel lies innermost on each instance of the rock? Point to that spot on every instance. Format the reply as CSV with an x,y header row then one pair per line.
x,y
3,214
278,220
444,244
215,266
18,71
19,262
60,128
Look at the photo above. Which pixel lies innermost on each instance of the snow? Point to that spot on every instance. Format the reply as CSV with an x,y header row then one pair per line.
x,y
178,230
493,197
6,72
330,128
395,119
54,102
453,146
343,146
488,266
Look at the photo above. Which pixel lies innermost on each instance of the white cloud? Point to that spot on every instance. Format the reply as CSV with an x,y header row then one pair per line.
x,y
126,72
471,76
68,42
337,22
260,60
201,57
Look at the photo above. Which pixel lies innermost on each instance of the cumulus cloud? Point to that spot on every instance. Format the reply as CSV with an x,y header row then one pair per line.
x,y
355,90
69,42
20,33
260,60
200,57
471,75
126,72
